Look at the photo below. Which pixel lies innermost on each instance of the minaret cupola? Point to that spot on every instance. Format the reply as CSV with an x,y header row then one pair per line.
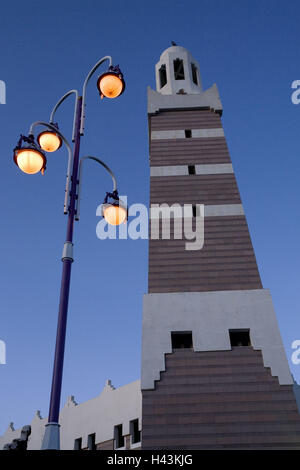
x,y
177,72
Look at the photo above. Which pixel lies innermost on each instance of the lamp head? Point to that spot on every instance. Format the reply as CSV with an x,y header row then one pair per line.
x,y
49,141
113,210
111,83
28,157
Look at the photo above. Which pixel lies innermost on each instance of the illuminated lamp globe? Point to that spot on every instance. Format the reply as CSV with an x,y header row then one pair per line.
x,y
111,85
49,141
114,214
30,160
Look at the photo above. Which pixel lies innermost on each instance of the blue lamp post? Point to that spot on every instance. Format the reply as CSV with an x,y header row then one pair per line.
x,y
30,158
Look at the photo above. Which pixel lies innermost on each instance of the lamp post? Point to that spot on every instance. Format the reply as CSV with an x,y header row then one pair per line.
x,y
31,159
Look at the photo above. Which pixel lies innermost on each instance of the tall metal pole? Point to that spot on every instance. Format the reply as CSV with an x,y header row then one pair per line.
x,y
51,438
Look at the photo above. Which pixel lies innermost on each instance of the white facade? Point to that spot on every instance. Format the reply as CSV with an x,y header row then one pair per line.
x,y
210,316
98,415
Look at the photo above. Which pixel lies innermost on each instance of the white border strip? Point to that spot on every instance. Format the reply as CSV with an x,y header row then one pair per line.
x,y
175,211
180,133
223,209
182,170
174,170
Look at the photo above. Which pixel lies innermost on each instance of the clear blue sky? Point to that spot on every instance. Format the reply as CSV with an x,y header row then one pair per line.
x,y
250,49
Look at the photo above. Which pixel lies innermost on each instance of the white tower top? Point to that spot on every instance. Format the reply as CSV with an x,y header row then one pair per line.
x,y
177,72
178,84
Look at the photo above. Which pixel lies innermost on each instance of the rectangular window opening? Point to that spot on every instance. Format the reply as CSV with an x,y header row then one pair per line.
x,y
119,438
134,431
78,444
194,74
192,170
178,69
182,339
239,338
188,133
162,76
92,441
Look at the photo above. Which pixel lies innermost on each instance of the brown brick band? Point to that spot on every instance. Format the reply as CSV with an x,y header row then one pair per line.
x,y
185,119
219,400
226,261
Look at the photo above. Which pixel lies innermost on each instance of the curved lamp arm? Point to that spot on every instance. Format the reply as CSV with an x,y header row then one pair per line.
x,y
80,179
59,103
70,156
91,72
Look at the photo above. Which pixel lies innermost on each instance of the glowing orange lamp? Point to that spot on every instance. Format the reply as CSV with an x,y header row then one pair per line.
x,y
49,141
111,84
114,212
28,157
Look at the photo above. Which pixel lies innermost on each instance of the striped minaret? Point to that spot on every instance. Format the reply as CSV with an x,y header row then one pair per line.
x,y
214,370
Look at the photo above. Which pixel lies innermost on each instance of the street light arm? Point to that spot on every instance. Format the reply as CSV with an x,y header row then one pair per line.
x,y
80,179
91,72
59,103
70,156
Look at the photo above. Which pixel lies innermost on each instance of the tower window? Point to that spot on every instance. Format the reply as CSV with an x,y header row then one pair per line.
x,y
78,444
192,170
119,438
178,69
134,431
239,337
162,76
188,133
194,74
92,441
181,339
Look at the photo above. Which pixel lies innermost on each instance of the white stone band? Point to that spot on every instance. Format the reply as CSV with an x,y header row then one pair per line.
x,y
183,170
180,133
210,315
223,209
218,168
175,211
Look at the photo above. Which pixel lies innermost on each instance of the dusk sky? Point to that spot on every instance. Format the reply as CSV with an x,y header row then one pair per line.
x,y
251,50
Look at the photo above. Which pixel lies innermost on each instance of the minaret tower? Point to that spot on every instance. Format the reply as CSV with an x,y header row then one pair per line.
x,y
214,370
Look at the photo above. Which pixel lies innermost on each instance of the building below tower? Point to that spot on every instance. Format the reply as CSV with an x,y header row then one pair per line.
x,y
110,421
113,420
